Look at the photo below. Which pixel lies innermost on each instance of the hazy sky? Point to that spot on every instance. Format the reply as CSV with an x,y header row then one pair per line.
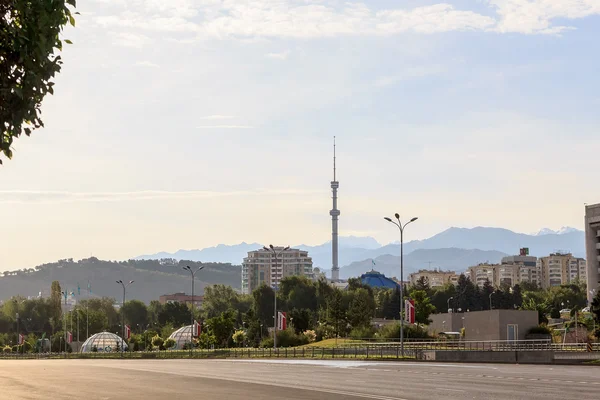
x,y
188,123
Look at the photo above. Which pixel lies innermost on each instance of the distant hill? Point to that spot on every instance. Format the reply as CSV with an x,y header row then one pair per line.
x,y
153,278
354,249
452,259
232,254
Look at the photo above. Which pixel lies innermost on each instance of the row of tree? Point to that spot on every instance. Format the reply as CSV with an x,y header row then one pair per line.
x,y
310,306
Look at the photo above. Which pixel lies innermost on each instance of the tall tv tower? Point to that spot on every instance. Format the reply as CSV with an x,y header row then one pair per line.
x,y
335,213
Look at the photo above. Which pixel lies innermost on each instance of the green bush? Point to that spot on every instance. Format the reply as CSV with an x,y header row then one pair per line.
x,y
324,332
365,332
392,331
539,330
287,338
169,344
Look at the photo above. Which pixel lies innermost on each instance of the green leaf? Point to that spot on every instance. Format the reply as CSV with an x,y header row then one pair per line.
x,y
19,92
71,20
68,41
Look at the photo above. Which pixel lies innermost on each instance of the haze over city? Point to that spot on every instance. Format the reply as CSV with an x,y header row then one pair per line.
x,y
186,125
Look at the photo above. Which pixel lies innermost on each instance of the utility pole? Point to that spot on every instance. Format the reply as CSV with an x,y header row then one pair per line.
x,y
123,313
401,228
276,254
192,324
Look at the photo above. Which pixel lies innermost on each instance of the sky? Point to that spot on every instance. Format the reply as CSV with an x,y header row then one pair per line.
x,y
189,123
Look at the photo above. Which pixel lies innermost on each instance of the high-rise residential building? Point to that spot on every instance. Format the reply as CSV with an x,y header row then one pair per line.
x,y
525,268
435,278
592,244
262,267
482,272
560,269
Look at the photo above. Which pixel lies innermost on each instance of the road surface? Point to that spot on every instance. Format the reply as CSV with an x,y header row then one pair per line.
x,y
290,379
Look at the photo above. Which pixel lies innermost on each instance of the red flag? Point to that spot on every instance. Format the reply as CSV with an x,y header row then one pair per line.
x,y
21,339
69,337
409,313
127,332
281,321
196,329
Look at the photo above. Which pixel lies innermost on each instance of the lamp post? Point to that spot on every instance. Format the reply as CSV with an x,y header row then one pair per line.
x,y
124,285
193,273
401,228
276,254
491,307
448,302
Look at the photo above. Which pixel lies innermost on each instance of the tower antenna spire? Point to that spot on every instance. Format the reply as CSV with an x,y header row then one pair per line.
x,y
334,171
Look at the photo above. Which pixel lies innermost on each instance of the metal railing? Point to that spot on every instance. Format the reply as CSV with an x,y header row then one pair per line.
x,y
412,350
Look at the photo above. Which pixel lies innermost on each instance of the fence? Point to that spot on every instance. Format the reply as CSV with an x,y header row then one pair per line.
x,y
412,350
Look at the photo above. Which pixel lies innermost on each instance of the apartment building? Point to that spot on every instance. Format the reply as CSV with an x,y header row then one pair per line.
x,y
560,269
525,268
261,267
592,244
482,272
435,278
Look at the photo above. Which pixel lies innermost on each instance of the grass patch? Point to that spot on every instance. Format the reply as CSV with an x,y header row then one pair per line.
x,y
330,343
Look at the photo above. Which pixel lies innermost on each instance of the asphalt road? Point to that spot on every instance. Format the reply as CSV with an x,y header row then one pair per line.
x,y
290,379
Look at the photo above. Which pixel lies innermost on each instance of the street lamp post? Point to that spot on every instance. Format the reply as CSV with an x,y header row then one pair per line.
x,y
448,302
491,307
276,254
124,285
193,273
401,228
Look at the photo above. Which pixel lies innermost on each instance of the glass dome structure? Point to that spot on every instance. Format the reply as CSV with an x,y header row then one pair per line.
x,y
104,342
181,336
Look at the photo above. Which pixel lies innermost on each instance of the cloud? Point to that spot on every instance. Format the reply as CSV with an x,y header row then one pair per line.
x,y
279,56
535,16
34,196
245,19
128,39
147,64
217,116
224,127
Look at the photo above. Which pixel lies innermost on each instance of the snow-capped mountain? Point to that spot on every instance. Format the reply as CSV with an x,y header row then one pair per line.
x,y
562,231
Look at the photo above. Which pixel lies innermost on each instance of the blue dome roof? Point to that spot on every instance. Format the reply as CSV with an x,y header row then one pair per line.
x,y
378,280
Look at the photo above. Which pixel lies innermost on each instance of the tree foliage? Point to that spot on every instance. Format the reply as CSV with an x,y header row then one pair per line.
x,y
29,42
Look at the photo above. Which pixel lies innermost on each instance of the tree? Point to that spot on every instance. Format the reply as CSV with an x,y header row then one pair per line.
x,y
169,343
218,299
337,314
29,40
55,301
486,291
595,307
422,284
158,342
221,327
264,304
239,337
423,307
361,309
135,312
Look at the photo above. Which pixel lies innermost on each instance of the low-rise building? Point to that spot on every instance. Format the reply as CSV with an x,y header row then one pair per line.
x,y
435,278
181,298
486,325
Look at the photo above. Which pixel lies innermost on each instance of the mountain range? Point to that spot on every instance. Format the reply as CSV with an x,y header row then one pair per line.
x,y
161,273
356,250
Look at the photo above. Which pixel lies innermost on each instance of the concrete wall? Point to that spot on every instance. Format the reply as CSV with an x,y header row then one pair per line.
x,y
485,325
510,357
